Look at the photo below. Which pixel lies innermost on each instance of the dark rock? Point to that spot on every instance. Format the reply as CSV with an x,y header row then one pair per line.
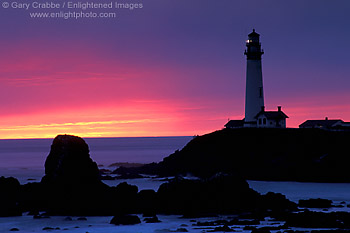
x,y
129,176
126,189
104,171
48,228
125,220
181,230
69,162
315,203
310,219
224,228
33,212
9,196
295,155
212,223
261,230
33,198
254,215
147,202
107,178
277,202
126,165
153,219
127,173
249,228
82,219
218,194
72,185
271,228
14,229
124,199
149,214
331,231
40,216
244,222
196,214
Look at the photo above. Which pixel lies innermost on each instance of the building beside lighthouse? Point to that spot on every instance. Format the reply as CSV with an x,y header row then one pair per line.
x,y
255,113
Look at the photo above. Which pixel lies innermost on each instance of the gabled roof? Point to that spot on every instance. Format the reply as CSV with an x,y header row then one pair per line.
x,y
319,123
234,123
272,114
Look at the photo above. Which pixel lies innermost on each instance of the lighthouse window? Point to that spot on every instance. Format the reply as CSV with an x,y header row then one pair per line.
x,y
259,121
264,121
260,92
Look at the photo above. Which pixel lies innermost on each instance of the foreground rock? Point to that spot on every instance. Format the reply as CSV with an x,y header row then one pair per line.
x,y
315,203
9,192
72,187
310,219
69,162
220,194
125,220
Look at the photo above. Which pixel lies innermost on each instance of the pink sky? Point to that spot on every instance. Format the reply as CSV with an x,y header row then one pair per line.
x,y
170,69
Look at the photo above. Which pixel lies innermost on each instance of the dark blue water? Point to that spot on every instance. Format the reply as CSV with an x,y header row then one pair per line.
x,y
25,158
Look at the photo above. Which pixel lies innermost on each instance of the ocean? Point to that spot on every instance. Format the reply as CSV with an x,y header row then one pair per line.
x,y
25,158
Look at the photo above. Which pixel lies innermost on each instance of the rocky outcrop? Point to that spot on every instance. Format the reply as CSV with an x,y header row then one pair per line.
x,y
310,219
125,220
315,203
69,162
220,194
277,203
9,192
72,187
312,155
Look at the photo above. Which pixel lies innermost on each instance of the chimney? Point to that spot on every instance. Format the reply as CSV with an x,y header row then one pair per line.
x,y
263,108
326,118
279,108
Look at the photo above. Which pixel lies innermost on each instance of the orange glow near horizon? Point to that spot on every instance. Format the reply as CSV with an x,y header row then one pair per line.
x,y
140,119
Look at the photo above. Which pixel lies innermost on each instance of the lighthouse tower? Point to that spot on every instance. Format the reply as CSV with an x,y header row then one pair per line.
x,y
254,99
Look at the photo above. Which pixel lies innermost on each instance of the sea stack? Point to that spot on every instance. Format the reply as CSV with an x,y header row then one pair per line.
x,y
69,162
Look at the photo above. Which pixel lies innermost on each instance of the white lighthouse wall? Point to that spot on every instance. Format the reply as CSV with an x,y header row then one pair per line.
x,y
254,90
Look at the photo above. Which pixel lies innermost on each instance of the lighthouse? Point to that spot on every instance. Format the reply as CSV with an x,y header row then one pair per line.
x,y
254,99
255,113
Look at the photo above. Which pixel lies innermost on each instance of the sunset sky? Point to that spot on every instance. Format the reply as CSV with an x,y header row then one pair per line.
x,y
175,67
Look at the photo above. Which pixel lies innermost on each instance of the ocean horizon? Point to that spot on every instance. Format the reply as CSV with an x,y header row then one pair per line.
x,y
25,158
